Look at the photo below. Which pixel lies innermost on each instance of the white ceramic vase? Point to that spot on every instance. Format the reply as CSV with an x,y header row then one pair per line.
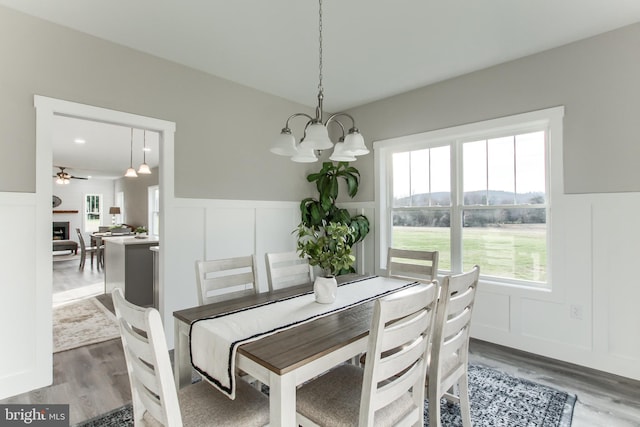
x,y
325,289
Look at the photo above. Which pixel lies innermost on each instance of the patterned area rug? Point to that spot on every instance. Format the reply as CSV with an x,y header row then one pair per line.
x,y
81,323
497,399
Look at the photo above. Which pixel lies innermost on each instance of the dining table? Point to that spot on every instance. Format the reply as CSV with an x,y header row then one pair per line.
x,y
287,358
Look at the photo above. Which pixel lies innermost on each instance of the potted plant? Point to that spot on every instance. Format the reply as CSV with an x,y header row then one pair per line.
x,y
326,232
141,231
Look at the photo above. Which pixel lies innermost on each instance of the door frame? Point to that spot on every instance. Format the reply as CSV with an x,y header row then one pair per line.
x,y
46,109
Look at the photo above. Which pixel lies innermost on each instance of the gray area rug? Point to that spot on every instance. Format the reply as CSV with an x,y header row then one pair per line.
x,y
497,399
81,323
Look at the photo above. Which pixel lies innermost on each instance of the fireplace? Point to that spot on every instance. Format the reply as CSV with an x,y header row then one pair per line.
x,y
61,230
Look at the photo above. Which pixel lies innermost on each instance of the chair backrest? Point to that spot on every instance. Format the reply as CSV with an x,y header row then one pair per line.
x,y
397,352
286,269
412,264
83,246
145,349
450,344
224,279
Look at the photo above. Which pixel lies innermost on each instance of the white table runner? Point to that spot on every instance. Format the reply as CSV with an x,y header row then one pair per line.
x,y
214,341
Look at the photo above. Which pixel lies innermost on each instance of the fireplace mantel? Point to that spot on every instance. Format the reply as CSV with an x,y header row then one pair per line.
x,y
65,212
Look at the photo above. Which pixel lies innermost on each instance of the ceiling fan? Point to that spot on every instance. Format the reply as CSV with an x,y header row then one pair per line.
x,y
63,177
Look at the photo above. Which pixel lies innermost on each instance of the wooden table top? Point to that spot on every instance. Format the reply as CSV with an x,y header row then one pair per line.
x,y
304,342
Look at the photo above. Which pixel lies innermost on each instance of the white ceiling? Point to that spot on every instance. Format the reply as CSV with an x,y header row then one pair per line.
x,y
107,151
372,48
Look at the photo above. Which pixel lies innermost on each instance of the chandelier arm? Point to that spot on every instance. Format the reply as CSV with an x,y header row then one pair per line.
x,y
337,122
333,118
296,115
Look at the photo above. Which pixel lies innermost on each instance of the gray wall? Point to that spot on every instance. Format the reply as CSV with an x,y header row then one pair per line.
x,y
597,79
223,130
136,195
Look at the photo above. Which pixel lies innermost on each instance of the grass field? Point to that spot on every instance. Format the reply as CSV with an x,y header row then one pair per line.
x,y
510,251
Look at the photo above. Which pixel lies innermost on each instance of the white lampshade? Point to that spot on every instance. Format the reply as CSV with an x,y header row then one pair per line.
x,y
284,145
354,144
144,169
304,155
317,137
131,173
339,155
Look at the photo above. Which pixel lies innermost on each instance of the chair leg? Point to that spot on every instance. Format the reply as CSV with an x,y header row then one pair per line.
x,y
434,405
465,406
82,257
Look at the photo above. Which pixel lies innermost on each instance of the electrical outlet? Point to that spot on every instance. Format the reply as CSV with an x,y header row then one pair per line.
x,y
575,311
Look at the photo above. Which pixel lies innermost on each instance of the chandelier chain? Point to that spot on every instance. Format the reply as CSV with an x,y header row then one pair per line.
x,y
320,44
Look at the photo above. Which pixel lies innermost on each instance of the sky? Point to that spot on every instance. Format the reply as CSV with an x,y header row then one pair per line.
x,y
515,163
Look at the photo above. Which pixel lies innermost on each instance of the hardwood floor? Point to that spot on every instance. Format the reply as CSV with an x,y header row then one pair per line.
x,y
604,400
93,380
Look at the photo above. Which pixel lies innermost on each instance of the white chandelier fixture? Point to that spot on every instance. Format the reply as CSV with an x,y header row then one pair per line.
x,y
131,172
316,135
144,167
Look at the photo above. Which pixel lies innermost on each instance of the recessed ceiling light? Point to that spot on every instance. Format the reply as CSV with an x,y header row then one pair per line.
x,y
146,149
79,141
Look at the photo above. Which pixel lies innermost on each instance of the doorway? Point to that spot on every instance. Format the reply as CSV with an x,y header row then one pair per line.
x,y
46,111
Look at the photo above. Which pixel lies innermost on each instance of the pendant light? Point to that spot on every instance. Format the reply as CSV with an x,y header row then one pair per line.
x,y
316,135
144,167
131,172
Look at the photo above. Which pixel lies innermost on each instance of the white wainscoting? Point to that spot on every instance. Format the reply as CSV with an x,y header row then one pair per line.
x,y
25,361
597,250
210,229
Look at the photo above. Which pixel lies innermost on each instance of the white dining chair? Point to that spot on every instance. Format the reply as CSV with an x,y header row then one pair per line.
x,y
224,279
450,345
414,264
153,392
286,269
389,390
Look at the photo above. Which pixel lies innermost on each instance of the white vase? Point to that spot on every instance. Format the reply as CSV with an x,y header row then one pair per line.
x,y
325,289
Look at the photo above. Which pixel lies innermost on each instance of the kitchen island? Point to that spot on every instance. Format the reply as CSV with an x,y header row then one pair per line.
x,y
128,264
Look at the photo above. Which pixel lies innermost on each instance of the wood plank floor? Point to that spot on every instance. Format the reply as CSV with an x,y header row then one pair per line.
x,y
93,380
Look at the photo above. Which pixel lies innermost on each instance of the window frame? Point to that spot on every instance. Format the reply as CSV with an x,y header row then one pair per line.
x,y
85,212
549,120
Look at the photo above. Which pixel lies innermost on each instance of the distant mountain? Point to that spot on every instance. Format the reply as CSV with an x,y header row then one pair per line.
x,y
472,198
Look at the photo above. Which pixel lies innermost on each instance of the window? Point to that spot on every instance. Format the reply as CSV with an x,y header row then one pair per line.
x,y
479,194
92,212
154,210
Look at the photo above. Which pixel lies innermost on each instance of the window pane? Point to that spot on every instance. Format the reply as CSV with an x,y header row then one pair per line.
x,y
474,158
401,179
500,171
92,212
422,178
506,243
531,168
422,237
441,176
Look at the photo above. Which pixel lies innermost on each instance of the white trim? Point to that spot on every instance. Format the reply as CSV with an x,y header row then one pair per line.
x,y
550,118
46,109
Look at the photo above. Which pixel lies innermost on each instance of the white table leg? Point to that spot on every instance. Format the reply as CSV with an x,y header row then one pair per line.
x,y
181,363
282,400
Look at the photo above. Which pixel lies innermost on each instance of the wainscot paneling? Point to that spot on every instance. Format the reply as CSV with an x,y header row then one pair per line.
x,y
491,311
25,360
590,316
210,229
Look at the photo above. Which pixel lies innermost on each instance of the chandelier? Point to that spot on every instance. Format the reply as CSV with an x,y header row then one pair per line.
x,y
316,135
